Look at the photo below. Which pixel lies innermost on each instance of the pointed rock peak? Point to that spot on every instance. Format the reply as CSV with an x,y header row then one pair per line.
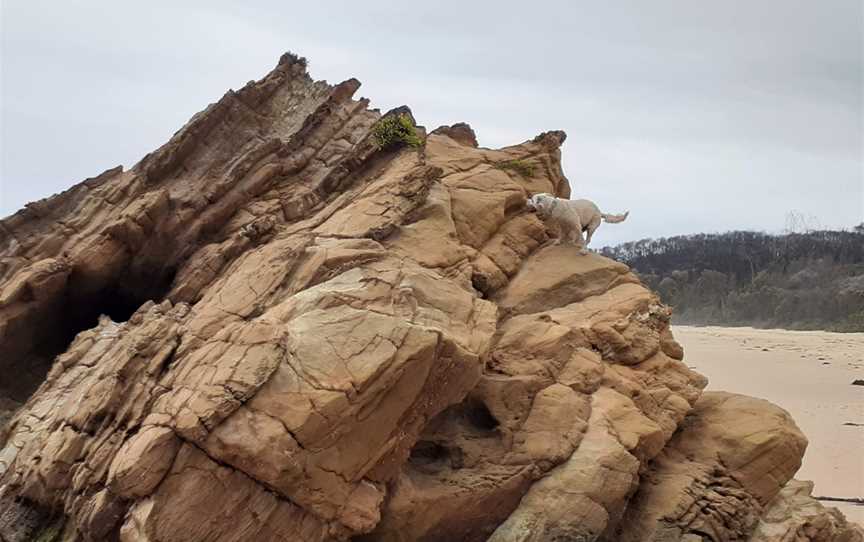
x,y
460,132
290,59
552,138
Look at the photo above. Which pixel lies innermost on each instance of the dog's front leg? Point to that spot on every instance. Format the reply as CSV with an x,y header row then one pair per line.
x,y
592,227
576,237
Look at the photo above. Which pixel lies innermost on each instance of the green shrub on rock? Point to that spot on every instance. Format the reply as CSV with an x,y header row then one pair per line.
x,y
395,131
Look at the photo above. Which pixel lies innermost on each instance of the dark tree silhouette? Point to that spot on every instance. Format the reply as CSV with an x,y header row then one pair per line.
x,y
810,280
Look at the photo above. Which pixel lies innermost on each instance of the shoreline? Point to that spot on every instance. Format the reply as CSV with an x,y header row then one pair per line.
x,y
755,328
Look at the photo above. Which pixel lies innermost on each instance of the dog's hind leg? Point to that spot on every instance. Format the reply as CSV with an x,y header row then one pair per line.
x,y
576,237
591,228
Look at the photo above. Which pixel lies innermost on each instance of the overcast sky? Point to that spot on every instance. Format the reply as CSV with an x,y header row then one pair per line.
x,y
696,116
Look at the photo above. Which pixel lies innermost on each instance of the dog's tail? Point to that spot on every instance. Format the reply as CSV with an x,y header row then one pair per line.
x,y
614,219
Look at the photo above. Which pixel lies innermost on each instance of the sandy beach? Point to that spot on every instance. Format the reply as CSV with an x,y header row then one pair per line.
x,y
810,374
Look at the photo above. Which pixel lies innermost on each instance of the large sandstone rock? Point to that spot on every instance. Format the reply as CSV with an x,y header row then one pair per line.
x,y
271,329
730,457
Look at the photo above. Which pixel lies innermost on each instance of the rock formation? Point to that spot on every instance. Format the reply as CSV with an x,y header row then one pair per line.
x,y
276,327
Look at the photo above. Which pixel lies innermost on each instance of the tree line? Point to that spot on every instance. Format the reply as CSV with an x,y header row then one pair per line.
x,y
796,280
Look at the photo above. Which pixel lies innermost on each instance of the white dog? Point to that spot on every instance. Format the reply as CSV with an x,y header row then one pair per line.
x,y
573,217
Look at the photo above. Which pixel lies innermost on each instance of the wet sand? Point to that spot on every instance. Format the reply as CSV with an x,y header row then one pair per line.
x,y
810,374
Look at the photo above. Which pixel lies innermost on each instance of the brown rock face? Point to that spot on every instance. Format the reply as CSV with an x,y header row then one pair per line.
x,y
272,329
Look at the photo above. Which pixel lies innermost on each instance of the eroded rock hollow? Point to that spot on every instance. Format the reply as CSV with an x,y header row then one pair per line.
x,y
276,328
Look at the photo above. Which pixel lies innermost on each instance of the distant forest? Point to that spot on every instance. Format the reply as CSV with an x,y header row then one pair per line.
x,y
810,280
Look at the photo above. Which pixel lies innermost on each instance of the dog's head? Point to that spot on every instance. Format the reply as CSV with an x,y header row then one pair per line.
x,y
540,203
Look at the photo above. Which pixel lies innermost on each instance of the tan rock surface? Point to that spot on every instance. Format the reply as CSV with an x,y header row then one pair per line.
x,y
304,337
730,457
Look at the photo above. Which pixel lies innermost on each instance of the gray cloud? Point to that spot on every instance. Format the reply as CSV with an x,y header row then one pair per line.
x,y
696,116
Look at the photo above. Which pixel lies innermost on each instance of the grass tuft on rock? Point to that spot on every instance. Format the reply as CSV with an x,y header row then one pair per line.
x,y
522,167
50,533
396,131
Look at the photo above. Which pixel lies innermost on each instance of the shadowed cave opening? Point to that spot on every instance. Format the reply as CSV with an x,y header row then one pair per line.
x,y
479,416
430,457
435,451
80,314
52,327
427,452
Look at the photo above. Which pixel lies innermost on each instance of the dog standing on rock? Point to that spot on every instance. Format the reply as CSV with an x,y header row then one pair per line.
x,y
573,217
